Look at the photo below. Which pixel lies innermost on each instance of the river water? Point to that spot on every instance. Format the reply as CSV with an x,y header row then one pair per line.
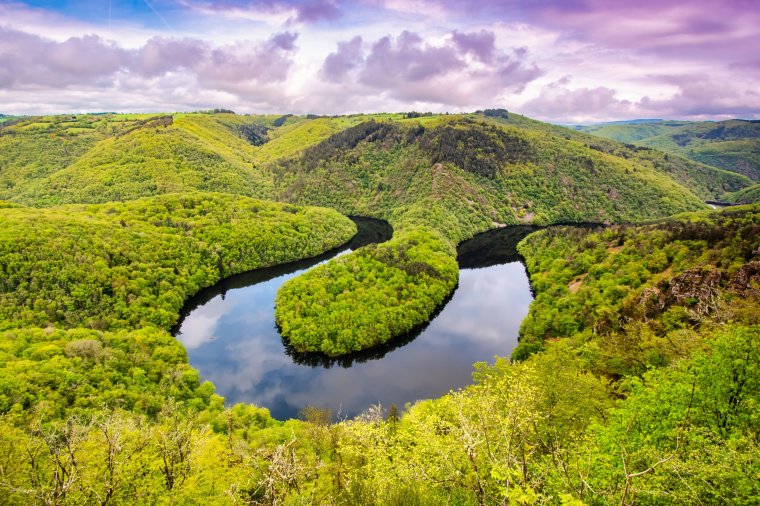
x,y
231,338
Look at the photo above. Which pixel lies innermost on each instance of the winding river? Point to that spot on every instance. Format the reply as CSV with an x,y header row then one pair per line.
x,y
231,338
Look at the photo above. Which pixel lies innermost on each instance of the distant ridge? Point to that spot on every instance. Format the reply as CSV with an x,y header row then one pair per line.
x,y
732,145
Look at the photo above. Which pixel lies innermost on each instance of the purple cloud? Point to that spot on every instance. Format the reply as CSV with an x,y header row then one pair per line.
x,y
319,10
579,105
716,31
285,41
348,57
458,56
310,11
30,61
233,68
407,59
161,55
698,98
27,59
481,44
466,69
702,96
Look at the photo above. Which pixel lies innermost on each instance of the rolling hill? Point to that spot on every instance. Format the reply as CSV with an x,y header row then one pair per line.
x,y
732,145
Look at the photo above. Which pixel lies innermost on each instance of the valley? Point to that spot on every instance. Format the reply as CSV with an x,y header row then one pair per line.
x,y
188,315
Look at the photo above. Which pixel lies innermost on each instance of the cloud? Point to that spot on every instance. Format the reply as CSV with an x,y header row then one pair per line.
x,y
319,10
244,67
481,44
376,55
705,97
406,60
348,57
161,55
697,97
464,69
30,61
27,59
577,105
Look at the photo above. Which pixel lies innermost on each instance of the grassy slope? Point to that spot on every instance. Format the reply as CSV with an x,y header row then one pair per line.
x,y
193,152
732,145
34,148
630,133
100,158
127,265
706,181
391,173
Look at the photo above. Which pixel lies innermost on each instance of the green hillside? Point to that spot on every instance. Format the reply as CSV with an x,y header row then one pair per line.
x,y
408,173
732,145
631,133
128,157
641,282
97,158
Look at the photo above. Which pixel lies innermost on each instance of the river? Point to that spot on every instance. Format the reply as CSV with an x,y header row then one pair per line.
x,y
231,338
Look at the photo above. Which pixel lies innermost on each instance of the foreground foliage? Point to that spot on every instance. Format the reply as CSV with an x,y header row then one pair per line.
x,y
542,431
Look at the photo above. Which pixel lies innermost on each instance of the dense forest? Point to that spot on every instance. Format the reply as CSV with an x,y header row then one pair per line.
x,y
414,176
636,379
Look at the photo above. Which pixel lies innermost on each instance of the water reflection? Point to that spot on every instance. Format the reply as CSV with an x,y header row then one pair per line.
x,y
231,338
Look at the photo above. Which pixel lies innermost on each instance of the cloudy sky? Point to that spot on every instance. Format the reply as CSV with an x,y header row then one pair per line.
x,y
555,60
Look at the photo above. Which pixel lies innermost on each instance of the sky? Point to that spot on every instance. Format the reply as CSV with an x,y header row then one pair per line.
x,y
565,61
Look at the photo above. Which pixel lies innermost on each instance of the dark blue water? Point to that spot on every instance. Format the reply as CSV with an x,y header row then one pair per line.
x,y
231,338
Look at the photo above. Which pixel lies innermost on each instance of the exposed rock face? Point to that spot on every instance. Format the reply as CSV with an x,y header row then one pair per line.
x,y
746,280
696,289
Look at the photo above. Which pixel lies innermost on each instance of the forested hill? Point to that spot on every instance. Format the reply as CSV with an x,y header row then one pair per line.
x,y
635,380
133,264
731,145
103,157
